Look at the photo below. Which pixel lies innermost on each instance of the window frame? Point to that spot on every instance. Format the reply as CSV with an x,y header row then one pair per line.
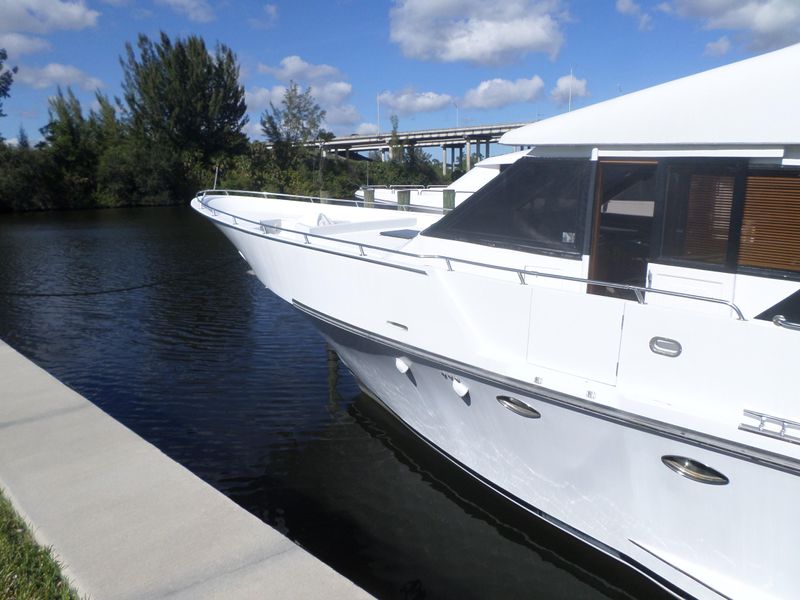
x,y
583,216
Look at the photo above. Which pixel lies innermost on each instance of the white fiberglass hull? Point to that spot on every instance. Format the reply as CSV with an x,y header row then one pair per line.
x,y
598,478
596,467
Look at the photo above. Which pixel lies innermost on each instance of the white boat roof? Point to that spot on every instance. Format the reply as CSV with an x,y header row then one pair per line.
x,y
754,102
502,159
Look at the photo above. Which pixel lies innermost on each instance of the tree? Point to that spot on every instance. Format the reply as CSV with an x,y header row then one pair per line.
x,y
22,139
74,149
6,79
180,96
298,122
289,128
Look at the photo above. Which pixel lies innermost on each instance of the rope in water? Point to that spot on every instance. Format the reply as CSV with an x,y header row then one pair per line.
x,y
118,290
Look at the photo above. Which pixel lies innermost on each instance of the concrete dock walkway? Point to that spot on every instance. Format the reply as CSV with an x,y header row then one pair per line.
x,y
124,519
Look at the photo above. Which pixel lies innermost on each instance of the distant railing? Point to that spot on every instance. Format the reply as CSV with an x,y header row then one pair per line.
x,y
267,230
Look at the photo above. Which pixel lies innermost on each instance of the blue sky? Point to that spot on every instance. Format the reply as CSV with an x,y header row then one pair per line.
x,y
434,63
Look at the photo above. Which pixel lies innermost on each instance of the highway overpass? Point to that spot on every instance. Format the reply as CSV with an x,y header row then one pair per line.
x,y
459,139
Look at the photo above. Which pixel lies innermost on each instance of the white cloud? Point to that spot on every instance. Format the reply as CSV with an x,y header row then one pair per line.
x,y
632,9
569,87
346,115
330,93
327,89
718,48
42,16
475,30
410,102
366,129
259,98
267,19
502,92
252,129
17,44
294,68
766,24
198,11
57,74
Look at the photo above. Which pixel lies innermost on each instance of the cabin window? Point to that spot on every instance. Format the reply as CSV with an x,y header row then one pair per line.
x,y
537,204
770,237
697,218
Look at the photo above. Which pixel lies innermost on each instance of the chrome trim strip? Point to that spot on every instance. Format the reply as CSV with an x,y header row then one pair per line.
x,y
639,292
705,441
689,575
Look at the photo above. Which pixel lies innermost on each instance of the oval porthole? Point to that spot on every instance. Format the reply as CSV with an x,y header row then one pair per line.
x,y
666,347
696,471
518,407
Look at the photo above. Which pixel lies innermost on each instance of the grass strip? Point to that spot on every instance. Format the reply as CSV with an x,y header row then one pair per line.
x,y
27,571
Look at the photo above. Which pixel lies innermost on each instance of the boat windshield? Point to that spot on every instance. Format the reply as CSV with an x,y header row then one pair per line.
x,y
535,204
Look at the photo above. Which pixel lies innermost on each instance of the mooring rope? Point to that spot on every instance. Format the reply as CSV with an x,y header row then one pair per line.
x,y
118,290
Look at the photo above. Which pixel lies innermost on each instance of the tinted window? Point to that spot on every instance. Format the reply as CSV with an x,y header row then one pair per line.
x,y
537,204
699,206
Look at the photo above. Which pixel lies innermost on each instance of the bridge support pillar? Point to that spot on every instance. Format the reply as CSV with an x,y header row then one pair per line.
x,y
469,155
444,160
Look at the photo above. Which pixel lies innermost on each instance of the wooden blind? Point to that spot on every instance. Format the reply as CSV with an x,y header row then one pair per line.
x,y
771,224
708,217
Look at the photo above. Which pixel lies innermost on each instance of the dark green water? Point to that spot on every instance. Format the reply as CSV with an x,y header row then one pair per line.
x,y
151,315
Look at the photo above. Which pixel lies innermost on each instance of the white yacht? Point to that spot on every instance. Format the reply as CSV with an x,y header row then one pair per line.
x,y
605,334
431,198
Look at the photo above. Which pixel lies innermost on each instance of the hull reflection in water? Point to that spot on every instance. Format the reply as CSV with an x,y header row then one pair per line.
x,y
368,492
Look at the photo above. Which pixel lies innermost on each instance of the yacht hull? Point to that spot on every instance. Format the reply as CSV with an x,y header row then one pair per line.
x,y
599,479
611,477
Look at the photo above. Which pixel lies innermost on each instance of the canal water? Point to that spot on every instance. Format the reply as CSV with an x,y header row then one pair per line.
x,y
151,315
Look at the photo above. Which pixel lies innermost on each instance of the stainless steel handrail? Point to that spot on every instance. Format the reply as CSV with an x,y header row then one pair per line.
x,y
781,321
638,291
280,196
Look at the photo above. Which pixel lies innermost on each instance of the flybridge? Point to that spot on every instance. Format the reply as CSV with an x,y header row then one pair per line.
x,y
746,105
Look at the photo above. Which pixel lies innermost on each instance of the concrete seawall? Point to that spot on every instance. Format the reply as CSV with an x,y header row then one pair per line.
x,y
125,520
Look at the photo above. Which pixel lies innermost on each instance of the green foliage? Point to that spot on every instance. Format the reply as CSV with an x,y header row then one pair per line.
x,y
27,571
74,149
297,121
6,79
179,96
26,180
181,117
288,128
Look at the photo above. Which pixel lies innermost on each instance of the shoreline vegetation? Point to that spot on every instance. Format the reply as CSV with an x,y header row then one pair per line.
x,y
180,120
27,570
